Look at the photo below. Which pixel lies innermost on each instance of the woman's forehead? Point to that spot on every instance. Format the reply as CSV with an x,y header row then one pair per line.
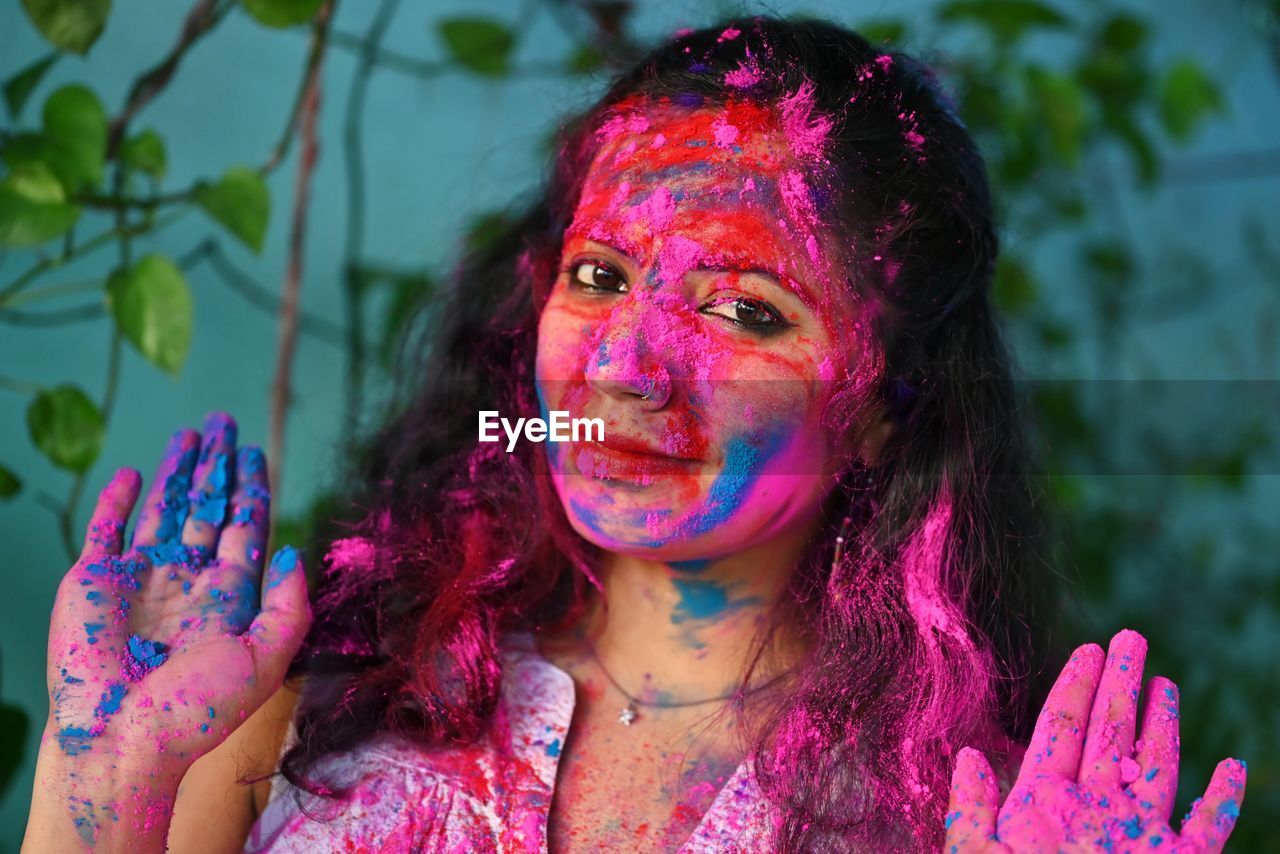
x,y
722,171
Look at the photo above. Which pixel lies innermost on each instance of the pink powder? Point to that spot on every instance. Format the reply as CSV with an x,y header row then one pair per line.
x,y
806,132
885,61
724,133
658,141
655,212
728,34
746,75
351,553
922,564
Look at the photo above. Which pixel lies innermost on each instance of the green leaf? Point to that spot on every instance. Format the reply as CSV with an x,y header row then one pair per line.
x,y
586,59
240,202
1123,32
67,427
75,131
1187,97
482,45
10,483
1006,20
884,31
145,153
282,13
72,25
1061,103
18,88
33,206
1014,286
152,307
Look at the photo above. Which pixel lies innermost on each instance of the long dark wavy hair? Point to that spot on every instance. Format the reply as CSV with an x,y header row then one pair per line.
x,y
925,627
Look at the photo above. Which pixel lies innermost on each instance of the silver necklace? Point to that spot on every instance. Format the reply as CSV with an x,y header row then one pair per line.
x,y
628,713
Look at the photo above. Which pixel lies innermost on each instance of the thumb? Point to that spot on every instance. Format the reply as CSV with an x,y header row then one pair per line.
x,y
276,633
974,802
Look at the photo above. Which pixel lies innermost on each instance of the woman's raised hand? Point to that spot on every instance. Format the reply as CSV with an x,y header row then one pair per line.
x,y
1085,783
159,650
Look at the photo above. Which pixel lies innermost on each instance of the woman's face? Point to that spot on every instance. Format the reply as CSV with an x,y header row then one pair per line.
x,y
699,314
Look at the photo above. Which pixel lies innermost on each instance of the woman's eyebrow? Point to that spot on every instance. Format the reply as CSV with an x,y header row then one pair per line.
x,y
777,278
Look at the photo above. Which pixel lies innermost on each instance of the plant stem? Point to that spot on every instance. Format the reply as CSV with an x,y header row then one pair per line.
x,y
94,243
353,246
281,386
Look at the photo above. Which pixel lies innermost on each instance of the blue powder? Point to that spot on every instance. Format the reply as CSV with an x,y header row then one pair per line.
x,y
118,571
69,679
90,628
170,553
1229,808
952,817
74,740
148,654
699,600
210,505
553,749
174,506
284,562
1151,775
1132,828
109,704
695,565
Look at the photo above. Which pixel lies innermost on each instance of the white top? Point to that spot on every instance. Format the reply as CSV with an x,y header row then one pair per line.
x,y
492,796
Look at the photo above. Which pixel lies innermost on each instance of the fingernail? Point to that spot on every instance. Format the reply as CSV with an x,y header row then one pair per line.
x,y
250,460
283,563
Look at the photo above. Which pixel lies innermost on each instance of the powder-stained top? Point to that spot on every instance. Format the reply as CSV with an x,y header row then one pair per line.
x,y
492,796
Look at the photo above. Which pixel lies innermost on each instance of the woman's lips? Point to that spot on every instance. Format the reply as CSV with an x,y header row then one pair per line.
x,y
628,460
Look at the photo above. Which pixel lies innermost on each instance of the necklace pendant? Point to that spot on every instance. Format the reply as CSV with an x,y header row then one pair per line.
x,y
627,715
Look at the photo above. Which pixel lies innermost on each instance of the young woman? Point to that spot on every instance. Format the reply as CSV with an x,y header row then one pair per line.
x,y
786,603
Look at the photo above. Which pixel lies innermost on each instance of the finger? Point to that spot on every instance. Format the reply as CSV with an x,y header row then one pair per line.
x,y
1058,738
165,509
1212,817
244,538
105,534
277,632
975,799
212,484
1157,758
1114,715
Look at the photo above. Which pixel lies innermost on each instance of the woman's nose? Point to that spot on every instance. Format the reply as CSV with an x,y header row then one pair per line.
x,y
629,362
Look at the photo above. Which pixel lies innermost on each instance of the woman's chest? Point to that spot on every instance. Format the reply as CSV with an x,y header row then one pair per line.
x,y
611,795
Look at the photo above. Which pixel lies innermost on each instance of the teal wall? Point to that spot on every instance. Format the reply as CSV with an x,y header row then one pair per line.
x,y
437,152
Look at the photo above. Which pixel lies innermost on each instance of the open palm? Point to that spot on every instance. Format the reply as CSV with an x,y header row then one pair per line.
x,y
169,644
1085,784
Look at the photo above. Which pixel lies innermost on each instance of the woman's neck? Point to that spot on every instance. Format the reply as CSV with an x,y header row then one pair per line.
x,y
688,631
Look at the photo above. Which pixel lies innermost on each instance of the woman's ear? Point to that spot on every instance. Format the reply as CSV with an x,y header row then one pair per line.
x,y
873,439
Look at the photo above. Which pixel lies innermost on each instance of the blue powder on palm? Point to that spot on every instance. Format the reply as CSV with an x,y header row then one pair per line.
x,y
143,656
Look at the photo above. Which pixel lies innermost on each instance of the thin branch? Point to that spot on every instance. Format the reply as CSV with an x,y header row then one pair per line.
x,y
19,386
281,386
202,18
353,245
210,251
66,512
57,317
51,291
314,57
107,237
427,69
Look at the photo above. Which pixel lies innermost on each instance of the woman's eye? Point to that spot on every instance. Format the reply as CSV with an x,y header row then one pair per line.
x,y
595,275
748,312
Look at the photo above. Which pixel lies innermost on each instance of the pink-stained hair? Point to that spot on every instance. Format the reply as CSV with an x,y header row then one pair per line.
x,y
923,628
